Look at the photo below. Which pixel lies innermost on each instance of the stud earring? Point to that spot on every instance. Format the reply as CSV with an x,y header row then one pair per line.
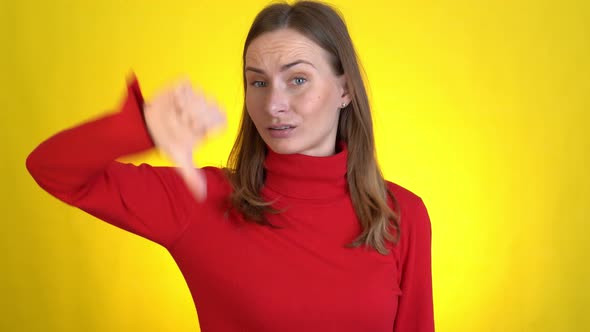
x,y
343,105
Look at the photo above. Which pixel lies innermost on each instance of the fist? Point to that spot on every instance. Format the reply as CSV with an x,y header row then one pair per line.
x,y
178,119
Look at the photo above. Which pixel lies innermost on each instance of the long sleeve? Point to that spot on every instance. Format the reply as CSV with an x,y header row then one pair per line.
x,y
415,308
79,167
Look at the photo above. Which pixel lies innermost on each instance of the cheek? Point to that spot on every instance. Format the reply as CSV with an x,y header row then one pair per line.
x,y
318,104
252,105
249,100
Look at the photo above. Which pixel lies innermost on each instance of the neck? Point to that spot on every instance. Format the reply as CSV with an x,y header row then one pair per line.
x,y
307,177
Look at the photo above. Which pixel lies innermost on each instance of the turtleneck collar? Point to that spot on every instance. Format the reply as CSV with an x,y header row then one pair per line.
x,y
306,177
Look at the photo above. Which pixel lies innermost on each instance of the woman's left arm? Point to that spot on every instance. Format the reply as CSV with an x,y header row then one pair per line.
x,y
415,308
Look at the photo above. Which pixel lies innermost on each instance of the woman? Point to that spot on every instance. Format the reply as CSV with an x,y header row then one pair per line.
x,y
300,232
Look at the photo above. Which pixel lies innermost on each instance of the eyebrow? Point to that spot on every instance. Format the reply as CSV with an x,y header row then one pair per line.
x,y
283,67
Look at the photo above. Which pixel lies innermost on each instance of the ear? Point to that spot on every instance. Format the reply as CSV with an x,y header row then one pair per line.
x,y
343,88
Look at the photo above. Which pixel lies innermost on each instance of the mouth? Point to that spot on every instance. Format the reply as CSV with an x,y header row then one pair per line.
x,y
281,127
281,131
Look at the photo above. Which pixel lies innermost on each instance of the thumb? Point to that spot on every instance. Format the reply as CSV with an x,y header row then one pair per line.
x,y
193,177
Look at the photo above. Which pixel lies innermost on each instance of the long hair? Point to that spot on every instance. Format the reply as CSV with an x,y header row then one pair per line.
x,y
368,190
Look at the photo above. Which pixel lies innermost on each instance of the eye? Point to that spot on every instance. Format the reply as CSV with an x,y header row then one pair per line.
x,y
258,84
299,80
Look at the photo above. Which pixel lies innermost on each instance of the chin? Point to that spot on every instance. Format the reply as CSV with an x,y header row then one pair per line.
x,y
284,148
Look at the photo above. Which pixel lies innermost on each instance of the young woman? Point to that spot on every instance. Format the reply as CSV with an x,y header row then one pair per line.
x,y
300,232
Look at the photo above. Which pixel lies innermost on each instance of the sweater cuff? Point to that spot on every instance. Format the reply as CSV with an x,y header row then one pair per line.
x,y
132,116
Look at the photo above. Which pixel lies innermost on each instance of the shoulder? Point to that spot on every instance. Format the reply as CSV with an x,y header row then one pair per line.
x,y
406,199
411,208
217,181
215,174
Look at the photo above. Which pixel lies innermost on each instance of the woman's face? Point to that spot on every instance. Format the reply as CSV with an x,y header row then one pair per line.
x,y
292,95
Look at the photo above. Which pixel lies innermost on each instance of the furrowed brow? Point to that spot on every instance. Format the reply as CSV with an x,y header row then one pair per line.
x,y
283,67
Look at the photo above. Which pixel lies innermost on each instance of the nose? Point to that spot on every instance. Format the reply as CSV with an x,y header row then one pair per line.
x,y
278,101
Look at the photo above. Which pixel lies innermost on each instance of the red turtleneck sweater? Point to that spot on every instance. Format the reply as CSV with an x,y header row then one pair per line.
x,y
242,276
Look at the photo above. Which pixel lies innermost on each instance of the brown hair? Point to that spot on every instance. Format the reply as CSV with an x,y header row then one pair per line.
x,y
367,188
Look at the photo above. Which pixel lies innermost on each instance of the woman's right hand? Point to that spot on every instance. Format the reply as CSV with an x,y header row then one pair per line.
x,y
178,119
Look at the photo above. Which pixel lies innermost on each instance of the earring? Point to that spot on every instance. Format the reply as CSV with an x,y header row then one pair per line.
x,y
343,105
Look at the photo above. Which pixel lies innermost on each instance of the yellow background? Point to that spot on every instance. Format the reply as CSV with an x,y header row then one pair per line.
x,y
480,108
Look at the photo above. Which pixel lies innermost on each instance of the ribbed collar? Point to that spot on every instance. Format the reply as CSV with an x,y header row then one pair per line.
x,y
307,177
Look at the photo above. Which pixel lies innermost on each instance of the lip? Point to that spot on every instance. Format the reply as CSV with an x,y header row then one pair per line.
x,y
281,133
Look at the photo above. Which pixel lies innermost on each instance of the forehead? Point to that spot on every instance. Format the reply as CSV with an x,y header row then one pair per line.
x,y
283,46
